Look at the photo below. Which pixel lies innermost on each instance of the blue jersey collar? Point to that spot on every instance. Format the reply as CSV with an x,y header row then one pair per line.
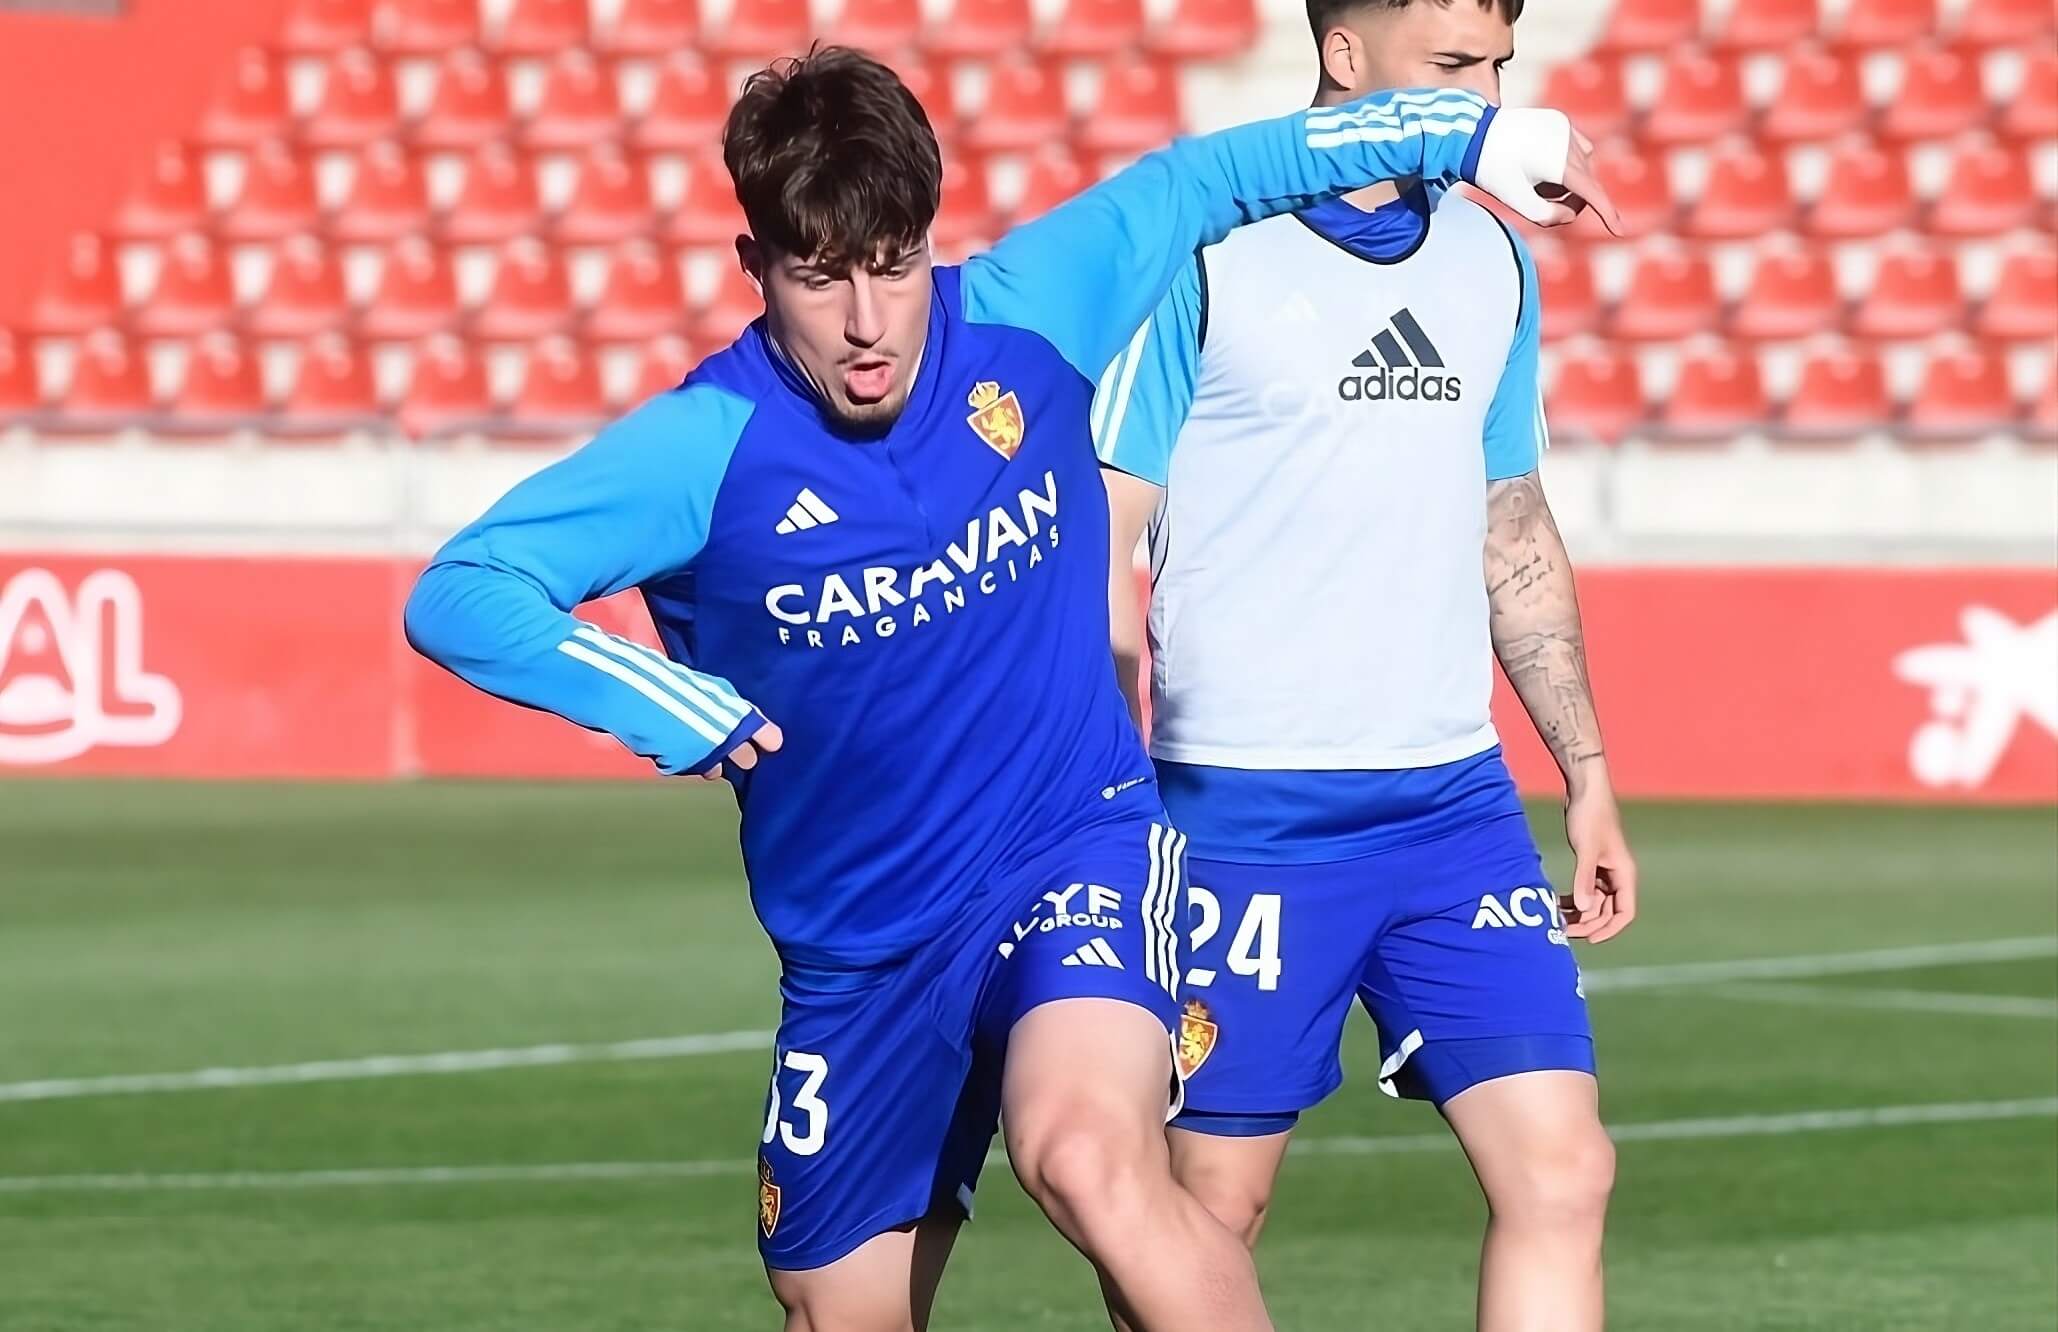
x,y
1383,235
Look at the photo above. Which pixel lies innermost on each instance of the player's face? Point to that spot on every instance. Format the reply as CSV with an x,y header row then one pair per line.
x,y
856,334
1430,45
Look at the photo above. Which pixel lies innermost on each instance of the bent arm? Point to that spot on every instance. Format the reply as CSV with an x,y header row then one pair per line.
x,y
1131,502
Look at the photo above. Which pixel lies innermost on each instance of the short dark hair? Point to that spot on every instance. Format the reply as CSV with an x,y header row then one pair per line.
x,y
1326,14
833,158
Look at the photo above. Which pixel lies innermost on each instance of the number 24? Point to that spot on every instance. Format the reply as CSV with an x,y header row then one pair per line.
x,y
1253,951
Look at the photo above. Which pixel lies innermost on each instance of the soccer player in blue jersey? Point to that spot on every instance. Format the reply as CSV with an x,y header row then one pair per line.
x,y
876,520
1330,418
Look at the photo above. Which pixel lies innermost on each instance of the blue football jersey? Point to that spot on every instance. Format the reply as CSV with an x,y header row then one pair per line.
x,y
924,613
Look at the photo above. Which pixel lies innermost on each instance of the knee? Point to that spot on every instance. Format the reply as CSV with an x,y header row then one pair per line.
x,y
1566,1181
1082,1163
1240,1204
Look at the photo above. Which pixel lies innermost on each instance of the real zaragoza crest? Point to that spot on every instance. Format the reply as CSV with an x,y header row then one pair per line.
x,y
767,1198
1197,1033
997,417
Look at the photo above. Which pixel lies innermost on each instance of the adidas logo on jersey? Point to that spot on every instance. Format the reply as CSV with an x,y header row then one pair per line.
x,y
1396,376
808,510
1094,953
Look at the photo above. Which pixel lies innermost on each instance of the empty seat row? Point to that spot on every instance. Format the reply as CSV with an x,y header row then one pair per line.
x,y
756,29
1752,25
1721,393
1821,95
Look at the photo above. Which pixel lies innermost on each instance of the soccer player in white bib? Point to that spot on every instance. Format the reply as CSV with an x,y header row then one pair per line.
x,y
1324,424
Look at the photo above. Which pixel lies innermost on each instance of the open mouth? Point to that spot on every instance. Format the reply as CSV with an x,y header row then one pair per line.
x,y
869,380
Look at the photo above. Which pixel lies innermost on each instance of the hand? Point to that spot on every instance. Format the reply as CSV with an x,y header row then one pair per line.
x,y
1604,873
764,740
1535,162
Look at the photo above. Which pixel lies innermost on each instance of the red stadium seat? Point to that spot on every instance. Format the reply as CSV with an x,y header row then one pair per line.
x,y
1820,97
882,27
448,392
1641,189
980,28
762,30
2007,23
388,200
469,106
252,108
1769,25
278,196
2024,303
644,297
305,295
171,198
1866,194
2043,416
1590,91
1792,294
1964,391
1565,282
1887,23
1095,29
735,303
1702,98
334,392
1138,109
1204,30
109,380
1054,176
417,294
1650,25
1939,96
1597,394
1746,194
560,392
84,294
707,213
610,202
358,103
687,110
425,27
1717,392
20,391
665,363
222,390
579,108
1842,392
498,200
193,292
1025,109
531,296
653,28
1989,192
2032,113
1671,295
319,27
966,213
543,28
1913,294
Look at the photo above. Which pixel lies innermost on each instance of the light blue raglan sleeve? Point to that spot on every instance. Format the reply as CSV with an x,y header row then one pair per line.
x,y
1516,433
1147,390
495,605
1085,275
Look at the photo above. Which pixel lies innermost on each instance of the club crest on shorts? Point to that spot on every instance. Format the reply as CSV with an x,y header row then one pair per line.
x,y
997,417
1197,1033
767,1198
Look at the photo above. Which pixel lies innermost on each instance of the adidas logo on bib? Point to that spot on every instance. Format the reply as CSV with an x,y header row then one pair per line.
x,y
1401,365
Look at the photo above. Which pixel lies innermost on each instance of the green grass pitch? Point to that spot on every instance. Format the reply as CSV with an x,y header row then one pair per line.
x,y
168,928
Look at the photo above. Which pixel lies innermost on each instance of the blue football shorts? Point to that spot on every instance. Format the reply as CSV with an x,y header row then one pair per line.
x,y
1456,947
885,1087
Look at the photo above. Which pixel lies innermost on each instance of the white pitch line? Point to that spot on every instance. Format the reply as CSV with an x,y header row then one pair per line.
x,y
1664,1130
1907,1001
1807,965
1601,980
387,1066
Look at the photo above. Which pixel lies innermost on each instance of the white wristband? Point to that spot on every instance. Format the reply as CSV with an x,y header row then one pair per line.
x,y
1525,146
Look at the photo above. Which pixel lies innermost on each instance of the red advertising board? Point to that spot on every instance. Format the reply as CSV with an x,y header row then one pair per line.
x,y
1758,683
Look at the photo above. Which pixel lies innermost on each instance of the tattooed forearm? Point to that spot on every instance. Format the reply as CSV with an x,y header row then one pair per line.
x,y
1535,619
